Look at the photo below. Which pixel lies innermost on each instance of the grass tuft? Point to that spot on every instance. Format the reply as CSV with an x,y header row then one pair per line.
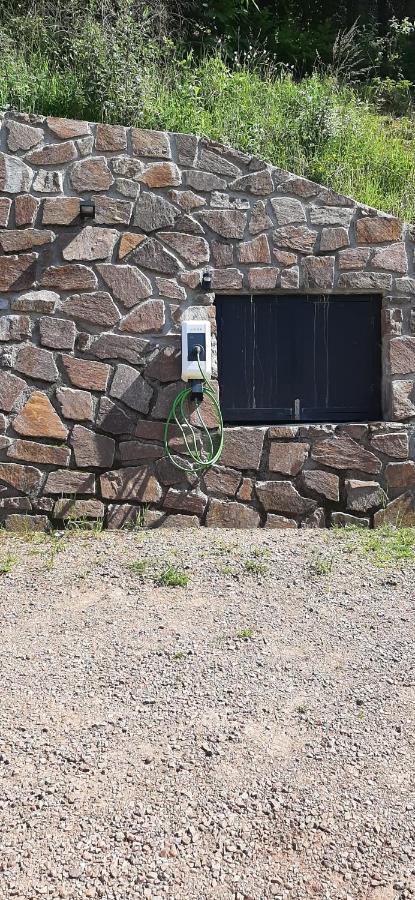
x,y
245,634
172,577
385,547
6,564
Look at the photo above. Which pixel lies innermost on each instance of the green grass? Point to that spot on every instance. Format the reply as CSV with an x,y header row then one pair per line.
x,y
138,566
245,634
7,563
314,126
172,577
386,547
255,567
322,565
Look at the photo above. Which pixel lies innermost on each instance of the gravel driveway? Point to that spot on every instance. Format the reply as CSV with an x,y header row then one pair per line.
x,y
247,735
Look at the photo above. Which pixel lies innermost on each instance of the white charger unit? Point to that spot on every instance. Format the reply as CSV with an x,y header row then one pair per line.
x,y
196,334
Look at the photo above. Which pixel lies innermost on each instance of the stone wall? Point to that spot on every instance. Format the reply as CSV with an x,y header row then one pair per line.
x,y
90,315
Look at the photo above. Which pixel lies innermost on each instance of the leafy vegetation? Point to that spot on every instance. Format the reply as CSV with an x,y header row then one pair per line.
x,y
387,547
313,92
172,577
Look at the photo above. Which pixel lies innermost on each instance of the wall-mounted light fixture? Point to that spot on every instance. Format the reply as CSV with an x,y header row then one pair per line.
x,y
87,209
206,281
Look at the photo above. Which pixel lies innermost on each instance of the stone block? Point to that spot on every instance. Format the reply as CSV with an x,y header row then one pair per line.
x,y
178,520
117,346
194,250
168,287
225,482
263,278
226,279
363,496
187,200
60,210
13,241
36,363
124,516
15,175
91,175
153,212
21,136
400,475
165,365
290,278
282,497
150,143
218,164
52,154
243,447
85,373
69,278
400,512
280,432
344,520
11,389
109,211
5,205
405,285
15,328
57,333
75,405
187,146
42,454
26,479
17,273
185,501
378,230
127,283
204,181
318,272
222,253
317,519
230,514
336,215
129,386
68,481
97,307
91,243
342,452
16,504
259,220
112,418
285,258
301,187
48,182
229,223
111,138
287,458
161,175
353,259
255,251
139,452
287,211
333,239
246,490
78,509
25,209
67,128
258,183
133,483
403,406
402,355
152,255
129,242
149,316
23,524
323,483
92,449
274,521
395,445
295,237
39,419
393,257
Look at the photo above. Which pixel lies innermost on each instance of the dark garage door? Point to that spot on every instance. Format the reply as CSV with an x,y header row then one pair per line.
x,y
305,358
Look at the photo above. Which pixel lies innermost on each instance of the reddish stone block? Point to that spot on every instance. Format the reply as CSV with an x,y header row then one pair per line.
x,y
287,458
341,452
25,209
15,328
11,389
57,333
111,138
230,514
69,278
52,154
282,497
378,230
17,273
39,419
147,317
42,454
68,481
36,363
400,474
133,483
60,210
23,478
76,405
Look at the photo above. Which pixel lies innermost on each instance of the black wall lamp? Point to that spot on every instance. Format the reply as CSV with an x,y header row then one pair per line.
x,y
87,209
206,281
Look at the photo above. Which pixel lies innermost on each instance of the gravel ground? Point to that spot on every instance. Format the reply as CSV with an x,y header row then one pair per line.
x,y
249,735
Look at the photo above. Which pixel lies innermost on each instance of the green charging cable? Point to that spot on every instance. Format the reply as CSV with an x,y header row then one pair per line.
x,y
205,457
